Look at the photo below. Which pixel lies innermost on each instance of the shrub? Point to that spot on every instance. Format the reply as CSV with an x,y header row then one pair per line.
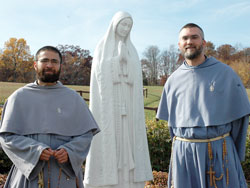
x,y
5,162
246,163
159,144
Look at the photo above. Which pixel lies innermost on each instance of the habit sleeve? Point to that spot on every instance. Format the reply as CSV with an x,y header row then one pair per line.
x,y
238,133
162,112
23,151
77,149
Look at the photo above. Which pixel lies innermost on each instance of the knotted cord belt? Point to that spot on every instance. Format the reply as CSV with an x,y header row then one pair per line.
x,y
211,173
202,140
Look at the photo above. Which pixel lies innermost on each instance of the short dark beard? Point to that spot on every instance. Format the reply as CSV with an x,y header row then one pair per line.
x,y
193,55
48,78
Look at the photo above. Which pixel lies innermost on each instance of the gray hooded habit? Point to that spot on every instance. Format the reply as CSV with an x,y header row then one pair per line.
x,y
38,117
201,102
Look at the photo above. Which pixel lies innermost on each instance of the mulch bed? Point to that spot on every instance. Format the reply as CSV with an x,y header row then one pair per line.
x,y
2,179
160,180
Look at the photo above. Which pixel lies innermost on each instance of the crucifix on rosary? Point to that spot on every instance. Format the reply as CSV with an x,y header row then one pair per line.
x,y
41,178
211,174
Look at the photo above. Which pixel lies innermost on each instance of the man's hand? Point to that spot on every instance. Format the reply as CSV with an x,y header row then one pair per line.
x,y
61,155
46,154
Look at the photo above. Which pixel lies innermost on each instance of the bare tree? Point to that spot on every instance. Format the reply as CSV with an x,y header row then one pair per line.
x,y
169,59
246,55
151,64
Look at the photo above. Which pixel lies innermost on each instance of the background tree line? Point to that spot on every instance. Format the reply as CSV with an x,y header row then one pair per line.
x,y
157,66
16,62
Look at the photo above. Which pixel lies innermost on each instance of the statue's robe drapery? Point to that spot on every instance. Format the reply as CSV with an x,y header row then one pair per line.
x,y
119,155
38,117
202,102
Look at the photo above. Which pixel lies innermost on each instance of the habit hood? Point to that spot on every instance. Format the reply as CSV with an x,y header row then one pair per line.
x,y
204,95
54,109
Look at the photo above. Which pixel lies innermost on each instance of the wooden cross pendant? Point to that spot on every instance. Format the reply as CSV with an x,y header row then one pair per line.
x,y
211,174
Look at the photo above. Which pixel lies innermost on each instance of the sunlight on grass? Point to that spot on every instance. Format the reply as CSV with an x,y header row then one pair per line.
x,y
7,88
152,99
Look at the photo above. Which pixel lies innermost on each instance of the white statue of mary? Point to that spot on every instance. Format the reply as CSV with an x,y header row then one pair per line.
x,y
119,156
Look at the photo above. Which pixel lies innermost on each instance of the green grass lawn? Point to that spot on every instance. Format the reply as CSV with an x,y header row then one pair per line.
x,y
152,99
7,88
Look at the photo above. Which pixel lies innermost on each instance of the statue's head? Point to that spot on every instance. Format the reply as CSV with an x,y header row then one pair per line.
x,y
124,27
122,23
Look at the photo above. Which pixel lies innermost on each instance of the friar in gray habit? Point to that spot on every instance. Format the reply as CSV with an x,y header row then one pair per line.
x,y
207,109
46,129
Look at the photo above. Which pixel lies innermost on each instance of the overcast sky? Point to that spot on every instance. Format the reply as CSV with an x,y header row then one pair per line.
x,y
156,22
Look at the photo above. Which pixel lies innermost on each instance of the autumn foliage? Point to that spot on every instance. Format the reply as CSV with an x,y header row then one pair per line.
x,y
76,65
160,65
238,60
16,62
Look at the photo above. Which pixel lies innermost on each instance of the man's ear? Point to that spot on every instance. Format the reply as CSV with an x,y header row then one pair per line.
x,y
35,65
204,42
179,45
